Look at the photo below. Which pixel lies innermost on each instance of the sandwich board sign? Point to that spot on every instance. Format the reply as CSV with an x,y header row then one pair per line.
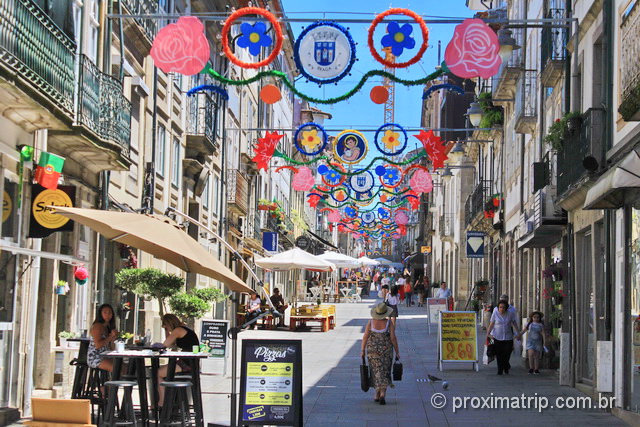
x,y
434,307
458,338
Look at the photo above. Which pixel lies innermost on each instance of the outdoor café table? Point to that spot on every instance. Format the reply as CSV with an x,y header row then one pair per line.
x,y
138,358
345,293
80,375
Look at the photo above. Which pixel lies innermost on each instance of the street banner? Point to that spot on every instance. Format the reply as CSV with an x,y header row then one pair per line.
x,y
271,382
457,337
434,307
214,334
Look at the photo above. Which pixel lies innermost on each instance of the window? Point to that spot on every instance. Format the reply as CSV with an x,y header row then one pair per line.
x,y
205,192
216,189
175,165
94,29
162,135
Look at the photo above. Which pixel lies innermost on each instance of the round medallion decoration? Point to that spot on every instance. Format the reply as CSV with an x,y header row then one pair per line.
x,y
350,146
362,183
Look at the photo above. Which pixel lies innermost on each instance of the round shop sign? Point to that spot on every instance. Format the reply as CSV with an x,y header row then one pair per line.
x,y
7,206
303,242
362,182
42,208
324,52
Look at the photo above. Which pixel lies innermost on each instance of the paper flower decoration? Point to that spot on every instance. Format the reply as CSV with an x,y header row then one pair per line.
x,y
421,181
391,176
340,195
254,38
350,212
313,200
265,149
181,47
81,273
334,216
391,140
401,218
473,51
398,38
303,180
433,146
333,177
414,199
310,139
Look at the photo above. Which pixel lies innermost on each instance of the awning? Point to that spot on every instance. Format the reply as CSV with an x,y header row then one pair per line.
x,y
321,240
609,190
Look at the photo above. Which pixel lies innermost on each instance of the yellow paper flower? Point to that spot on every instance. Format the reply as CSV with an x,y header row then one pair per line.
x,y
310,139
391,140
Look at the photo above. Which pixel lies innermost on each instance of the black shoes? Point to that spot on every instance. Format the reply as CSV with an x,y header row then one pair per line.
x,y
530,371
382,401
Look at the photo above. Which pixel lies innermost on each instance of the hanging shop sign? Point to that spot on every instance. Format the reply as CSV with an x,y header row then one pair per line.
x,y
475,244
303,242
271,382
270,241
324,52
457,337
214,334
43,220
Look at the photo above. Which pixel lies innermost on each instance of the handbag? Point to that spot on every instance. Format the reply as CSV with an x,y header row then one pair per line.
x,y
364,376
491,348
397,370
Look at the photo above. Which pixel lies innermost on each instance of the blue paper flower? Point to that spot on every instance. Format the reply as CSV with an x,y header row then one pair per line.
x,y
254,37
391,176
333,177
351,212
398,38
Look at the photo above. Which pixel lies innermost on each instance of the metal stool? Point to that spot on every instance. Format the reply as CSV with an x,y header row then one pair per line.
x,y
93,390
176,397
126,414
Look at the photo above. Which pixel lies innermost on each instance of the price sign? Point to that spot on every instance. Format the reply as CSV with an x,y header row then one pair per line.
x,y
214,333
458,340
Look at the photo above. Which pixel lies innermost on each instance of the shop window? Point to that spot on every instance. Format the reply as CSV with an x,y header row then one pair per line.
x,y
635,309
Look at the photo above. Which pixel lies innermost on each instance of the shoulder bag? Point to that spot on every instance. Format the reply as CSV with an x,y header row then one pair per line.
x,y
397,370
364,376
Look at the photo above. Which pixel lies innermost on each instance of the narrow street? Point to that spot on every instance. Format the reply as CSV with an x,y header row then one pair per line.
x,y
331,382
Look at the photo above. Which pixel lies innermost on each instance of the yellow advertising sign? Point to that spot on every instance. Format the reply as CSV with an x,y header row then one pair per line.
x,y
42,211
425,249
458,336
7,206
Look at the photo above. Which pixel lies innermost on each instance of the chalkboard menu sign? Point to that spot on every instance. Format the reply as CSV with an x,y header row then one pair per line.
x,y
271,382
214,333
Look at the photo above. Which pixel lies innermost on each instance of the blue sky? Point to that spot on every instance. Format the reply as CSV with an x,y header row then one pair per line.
x,y
360,110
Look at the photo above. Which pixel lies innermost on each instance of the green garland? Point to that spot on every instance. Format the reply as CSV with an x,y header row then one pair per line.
x,y
277,153
283,76
377,193
367,210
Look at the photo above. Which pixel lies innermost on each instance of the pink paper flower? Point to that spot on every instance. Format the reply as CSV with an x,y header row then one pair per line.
x,y
421,181
473,50
334,216
303,180
401,218
181,47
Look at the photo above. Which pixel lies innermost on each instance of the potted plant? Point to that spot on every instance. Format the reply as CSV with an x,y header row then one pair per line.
x,y
64,336
492,115
62,287
574,120
263,204
556,321
125,336
561,128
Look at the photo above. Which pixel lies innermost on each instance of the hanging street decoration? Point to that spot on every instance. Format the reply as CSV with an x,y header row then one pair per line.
x,y
379,94
473,51
362,183
307,136
324,52
211,88
253,37
392,145
398,38
265,149
270,94
332,177
434,148
303,179
350,146
181,47
444,86
392,176
421,181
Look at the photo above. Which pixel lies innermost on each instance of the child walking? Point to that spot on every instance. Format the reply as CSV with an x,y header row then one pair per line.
x,y
536,340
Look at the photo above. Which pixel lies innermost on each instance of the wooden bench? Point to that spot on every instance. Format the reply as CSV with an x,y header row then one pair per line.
x,y
60,412
324,314
267,321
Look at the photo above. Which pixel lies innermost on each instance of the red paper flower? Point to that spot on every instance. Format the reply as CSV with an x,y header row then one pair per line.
x,y
413,201
473,50
402,229
265,149
433,146
314,199
303,179
421,181
181,47
81,273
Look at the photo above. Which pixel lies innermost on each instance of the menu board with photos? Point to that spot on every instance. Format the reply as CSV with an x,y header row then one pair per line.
x,y
271,382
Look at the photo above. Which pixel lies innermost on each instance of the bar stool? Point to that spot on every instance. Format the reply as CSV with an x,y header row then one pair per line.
x,y
93,390
176,397
126,414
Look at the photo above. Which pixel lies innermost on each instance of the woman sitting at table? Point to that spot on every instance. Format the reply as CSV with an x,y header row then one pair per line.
x,y
180,336
103,334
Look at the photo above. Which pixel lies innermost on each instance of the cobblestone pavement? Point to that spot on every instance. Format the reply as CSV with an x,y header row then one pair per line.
x,y
331,382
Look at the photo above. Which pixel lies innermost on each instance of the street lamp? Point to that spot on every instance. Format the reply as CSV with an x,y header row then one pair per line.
x,y
446,174
456,152
475,113
507,44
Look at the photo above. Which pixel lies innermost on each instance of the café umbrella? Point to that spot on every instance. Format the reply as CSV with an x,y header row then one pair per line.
x,y
368,261
340,260
158,236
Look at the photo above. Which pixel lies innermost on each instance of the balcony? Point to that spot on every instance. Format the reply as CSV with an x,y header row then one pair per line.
x,y
629,64
447,227
474,206
582,154
200,128
37,60
100,138
140,32
237,192
543,227
553,52
504,83
527,102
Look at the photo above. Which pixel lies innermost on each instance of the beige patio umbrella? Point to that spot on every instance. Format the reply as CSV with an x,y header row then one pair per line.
x,y
158,236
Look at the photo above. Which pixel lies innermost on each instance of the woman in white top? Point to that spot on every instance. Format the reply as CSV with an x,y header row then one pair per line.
x,y
392,300
503,324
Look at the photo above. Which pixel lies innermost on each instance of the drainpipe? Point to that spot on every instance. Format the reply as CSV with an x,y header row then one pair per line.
x,y
567,62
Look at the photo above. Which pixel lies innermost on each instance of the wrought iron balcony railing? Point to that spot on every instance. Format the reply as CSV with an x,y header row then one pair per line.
x,y
102,106
237,191
527,102
447,225
583,151
35,49
629,64
553,39
144,7
476,201
200,122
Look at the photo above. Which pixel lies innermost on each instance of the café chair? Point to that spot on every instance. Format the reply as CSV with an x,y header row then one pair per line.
x,y
126,415
176,398
60,412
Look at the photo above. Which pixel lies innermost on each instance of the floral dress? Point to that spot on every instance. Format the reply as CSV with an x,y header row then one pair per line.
x,y
380,356
94,355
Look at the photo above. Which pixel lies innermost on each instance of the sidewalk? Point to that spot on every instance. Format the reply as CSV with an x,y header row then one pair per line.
x,y
331,382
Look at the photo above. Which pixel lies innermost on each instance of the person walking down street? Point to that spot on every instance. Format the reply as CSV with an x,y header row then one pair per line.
x,y
400,283
419,291
445,292
503,324
392,300
536,339
379,342
408,292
